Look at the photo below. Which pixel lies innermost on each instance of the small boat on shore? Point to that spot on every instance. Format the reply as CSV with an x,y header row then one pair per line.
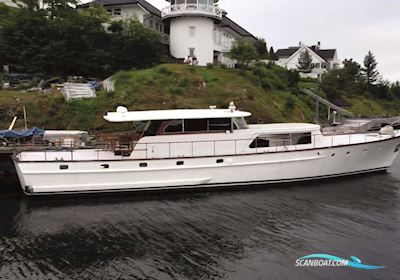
x,y
196,148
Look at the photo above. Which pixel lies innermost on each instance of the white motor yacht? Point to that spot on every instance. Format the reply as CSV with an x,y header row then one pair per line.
x,y
192,148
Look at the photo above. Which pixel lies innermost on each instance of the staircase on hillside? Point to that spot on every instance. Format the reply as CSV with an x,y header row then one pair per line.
x,y
337,111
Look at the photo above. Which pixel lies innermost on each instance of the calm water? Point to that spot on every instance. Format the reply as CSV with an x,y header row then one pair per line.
x,y
243,234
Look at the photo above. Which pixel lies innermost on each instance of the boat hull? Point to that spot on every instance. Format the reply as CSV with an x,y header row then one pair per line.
x,y
163,174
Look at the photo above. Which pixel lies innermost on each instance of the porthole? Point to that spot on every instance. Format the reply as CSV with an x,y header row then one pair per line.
x,y
365,151
348,153
179,163
333,155
142,164
105,166
397,149
220,160
64,167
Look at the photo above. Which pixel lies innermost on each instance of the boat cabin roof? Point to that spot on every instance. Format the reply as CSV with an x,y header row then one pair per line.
x,y
123,115
285,128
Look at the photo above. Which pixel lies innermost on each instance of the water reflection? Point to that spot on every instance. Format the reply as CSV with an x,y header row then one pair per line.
x,y
242,234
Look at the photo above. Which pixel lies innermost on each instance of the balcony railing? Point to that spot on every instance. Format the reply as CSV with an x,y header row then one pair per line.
x,y
191,9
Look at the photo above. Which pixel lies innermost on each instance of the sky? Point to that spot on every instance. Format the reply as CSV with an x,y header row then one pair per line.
x,y
353,27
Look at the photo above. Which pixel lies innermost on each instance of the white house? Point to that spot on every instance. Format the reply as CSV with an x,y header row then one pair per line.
x,y
322,59
196,28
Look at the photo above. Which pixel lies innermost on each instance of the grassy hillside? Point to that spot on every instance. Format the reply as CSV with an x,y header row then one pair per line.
x,y
263,91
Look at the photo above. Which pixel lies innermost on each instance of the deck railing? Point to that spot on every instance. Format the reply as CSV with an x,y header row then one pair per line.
x,y
184,149
187,8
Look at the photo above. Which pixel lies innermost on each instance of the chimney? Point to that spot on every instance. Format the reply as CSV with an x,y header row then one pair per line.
x,y
319,45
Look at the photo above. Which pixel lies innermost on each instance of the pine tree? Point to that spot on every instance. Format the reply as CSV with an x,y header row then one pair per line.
x,y
272,55
262,48
369,70
305,61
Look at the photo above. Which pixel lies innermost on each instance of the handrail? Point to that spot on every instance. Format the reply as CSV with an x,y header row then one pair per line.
x,y
236,148
191,8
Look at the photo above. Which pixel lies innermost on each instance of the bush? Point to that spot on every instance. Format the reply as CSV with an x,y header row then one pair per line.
x,y
266,84
210,65
260,72
164,70
290,102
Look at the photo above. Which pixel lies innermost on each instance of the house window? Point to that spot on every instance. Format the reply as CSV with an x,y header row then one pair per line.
x,y
151,23
192,31
191,52
157,26
117,12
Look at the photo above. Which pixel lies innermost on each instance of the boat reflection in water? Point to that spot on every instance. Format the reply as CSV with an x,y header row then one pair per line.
x,y
231,235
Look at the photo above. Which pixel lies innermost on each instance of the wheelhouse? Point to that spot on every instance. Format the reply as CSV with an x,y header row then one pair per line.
x,y
194,126
186,121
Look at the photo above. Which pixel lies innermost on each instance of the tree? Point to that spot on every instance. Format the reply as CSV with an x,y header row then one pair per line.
x,y
77,44
305,61
272,55
395,89
262,48
293,78
244,53
369,70
59,8
352,69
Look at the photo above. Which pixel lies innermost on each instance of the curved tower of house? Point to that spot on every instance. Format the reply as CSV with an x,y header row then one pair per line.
x,y
191,28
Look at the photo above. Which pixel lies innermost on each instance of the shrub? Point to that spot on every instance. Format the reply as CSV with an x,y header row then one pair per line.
x,y
164,70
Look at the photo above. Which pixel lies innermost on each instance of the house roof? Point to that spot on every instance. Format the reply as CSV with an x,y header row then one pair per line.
x,y
286,52
325,54
227,22
146,5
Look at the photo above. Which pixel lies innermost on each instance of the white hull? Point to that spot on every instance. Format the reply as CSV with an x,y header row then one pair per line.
x,y
38,177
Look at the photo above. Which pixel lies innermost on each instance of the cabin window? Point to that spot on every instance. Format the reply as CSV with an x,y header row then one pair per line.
x,y
239,123
277,140
152,128
117,12
301,138
220,124
196,125
175,126
259,143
